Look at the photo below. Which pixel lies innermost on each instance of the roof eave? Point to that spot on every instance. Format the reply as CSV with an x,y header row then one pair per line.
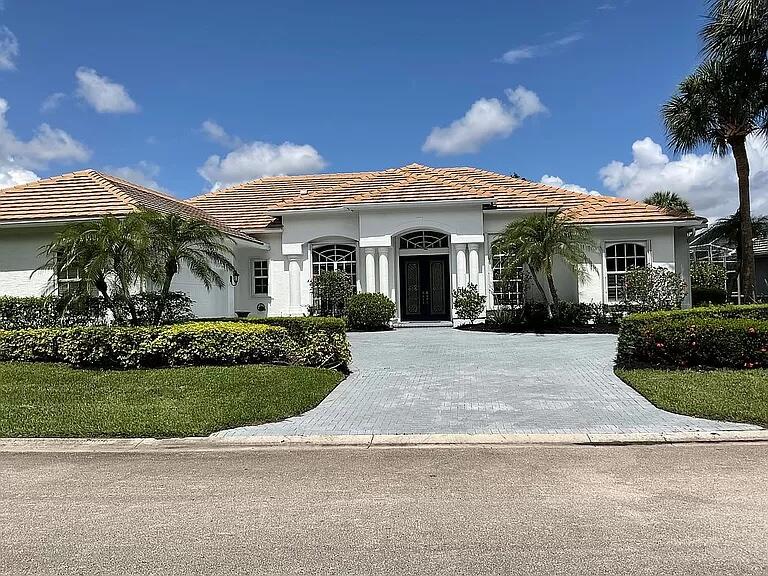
x,y
352,207
687,223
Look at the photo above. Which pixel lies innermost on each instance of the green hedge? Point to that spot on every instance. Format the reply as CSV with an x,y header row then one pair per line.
x,y
194,343
370,311
717,337
53,311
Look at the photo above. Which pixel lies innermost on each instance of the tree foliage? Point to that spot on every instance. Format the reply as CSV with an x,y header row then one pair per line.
x,y
670,201
538,241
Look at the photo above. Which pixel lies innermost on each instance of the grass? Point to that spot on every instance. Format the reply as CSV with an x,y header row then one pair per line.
x,y
58,401
734,395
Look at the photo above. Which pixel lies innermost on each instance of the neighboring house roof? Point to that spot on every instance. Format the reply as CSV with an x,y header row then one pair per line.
x,y
254,205
91,194
761,247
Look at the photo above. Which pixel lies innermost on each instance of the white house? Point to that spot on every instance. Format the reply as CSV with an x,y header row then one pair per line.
x,y
412,233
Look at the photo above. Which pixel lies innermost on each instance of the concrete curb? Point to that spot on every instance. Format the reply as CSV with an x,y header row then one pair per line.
x,y
207,444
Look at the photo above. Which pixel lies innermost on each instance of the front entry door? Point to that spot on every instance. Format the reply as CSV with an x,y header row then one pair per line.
x,y
425,288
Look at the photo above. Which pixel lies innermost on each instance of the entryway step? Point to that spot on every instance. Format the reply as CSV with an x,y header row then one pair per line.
x,y
424,324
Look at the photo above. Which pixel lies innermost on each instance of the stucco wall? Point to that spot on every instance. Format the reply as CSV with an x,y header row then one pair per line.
x,y
661,250
19,248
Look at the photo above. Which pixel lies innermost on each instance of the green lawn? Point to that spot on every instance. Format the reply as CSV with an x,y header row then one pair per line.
x,y
734,395
56,400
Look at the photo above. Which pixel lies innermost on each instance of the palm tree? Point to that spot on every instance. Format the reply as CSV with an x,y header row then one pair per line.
x,y
195,244
736,27
109,256
537,241
669,200
720,105
728,231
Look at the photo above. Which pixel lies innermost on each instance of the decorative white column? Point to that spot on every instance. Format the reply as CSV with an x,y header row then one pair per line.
x,y
474,265
294,283
384,270
461,265
370,269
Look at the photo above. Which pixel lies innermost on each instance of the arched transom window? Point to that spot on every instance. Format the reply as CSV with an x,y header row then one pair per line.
x,y
342,257
619,259
423,240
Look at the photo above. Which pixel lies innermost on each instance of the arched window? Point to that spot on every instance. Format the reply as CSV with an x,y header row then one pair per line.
x,y
619,259
342,257
509,290
423,240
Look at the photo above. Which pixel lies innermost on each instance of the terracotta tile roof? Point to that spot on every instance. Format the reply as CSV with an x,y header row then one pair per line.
x,y
91,194
253,205
761,247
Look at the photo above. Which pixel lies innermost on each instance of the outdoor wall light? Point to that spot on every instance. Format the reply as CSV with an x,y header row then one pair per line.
x,y
234,278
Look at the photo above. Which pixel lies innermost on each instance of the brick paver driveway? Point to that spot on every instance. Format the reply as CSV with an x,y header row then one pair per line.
x,y
440,380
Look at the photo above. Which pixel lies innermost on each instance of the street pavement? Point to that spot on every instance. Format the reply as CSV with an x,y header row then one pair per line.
x,y
571,510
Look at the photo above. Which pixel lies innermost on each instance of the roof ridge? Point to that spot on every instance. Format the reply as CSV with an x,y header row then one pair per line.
x,y
508,189
363,177
436,174
254,181
371,194
99,178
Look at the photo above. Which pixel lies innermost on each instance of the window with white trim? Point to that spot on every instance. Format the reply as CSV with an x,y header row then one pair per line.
x,y
619,259
509,290
67,279
423,240
260,277
335,257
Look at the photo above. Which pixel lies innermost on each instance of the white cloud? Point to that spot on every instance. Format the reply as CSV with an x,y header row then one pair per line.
x,y
104,95
534,50
11,174
560,183
217,134
46,146
144,173
52,102
707,181
9,49
257,159
486,119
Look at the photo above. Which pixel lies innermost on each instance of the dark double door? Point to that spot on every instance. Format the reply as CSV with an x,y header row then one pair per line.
x,y
425,288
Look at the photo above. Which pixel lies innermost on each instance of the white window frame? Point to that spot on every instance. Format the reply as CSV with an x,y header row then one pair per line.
x,y
67,277
492,264
607,244
254,276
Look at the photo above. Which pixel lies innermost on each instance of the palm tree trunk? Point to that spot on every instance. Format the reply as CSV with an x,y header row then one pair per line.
x,y
170,272
745,216
103,288
541,289
553,291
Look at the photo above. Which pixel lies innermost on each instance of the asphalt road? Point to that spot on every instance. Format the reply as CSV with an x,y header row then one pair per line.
x,y
685,509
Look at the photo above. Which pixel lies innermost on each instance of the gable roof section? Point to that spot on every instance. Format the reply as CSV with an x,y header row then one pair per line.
x,y
90,194
252,206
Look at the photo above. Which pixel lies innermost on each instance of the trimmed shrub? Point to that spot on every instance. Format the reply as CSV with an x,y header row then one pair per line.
x,y
48,311
468,302
370,311
332,289
654,288
299,326
53,311
181,344
707,296
708,275
718,337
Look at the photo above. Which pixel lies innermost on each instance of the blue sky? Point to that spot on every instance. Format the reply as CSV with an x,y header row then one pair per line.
x,y
188,95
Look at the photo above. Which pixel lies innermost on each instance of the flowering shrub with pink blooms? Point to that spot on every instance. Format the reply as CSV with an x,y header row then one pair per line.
x,y
687,339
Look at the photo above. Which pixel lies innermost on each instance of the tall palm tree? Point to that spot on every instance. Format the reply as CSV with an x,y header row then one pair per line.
x,y
735,27
109,256
670,201
537,241
195,244
719,106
